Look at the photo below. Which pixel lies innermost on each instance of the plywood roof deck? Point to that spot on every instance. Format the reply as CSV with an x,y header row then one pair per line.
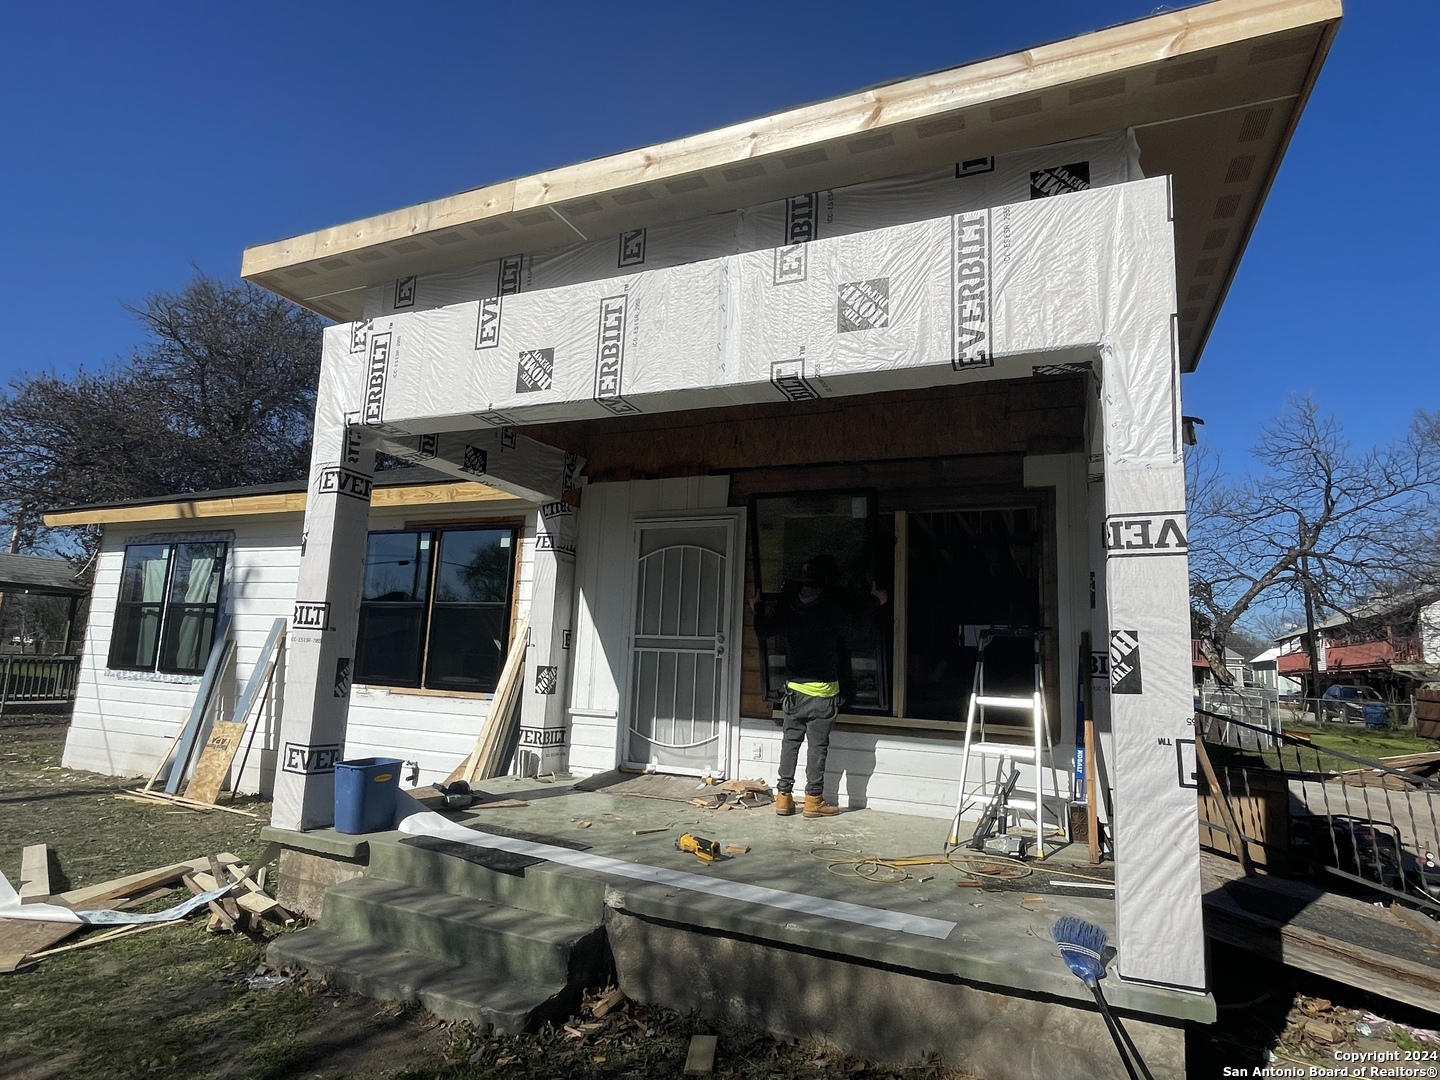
x,y
1214,93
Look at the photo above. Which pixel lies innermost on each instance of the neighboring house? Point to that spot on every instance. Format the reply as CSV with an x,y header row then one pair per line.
x,y
934,329
1265,672
39,599
447,565
1390,645
1203,672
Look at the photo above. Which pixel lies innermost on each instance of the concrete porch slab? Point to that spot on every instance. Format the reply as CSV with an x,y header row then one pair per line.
x,y
1001,939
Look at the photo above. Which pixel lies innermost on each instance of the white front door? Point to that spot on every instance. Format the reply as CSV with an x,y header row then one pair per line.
x,y
680,673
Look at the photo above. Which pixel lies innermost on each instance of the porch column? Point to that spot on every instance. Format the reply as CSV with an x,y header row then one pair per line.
x,y
321,644
543,731
1146,622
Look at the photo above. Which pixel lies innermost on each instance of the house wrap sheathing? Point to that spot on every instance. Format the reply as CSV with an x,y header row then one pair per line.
x,y
987,292
930,238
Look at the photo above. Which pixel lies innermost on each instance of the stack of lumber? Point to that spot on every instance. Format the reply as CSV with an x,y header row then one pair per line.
x,y
488,758
1417,765
25,941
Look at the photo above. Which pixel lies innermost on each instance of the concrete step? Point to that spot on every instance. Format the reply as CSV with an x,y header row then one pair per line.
x,y
544,887
507,942
451,991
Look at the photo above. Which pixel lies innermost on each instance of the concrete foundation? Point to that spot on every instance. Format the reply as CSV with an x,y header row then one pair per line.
x,y
879,1012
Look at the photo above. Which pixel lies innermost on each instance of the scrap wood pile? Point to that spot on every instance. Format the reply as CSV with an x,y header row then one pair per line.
x,y
1417,765
735,795
233,893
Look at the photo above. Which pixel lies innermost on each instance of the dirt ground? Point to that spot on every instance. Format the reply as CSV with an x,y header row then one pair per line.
x,y
178,1003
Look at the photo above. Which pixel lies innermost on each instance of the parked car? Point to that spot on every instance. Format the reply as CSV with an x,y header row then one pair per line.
x,y
1354,704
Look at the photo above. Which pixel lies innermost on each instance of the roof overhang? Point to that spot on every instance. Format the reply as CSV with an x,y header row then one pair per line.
x,y
1213,92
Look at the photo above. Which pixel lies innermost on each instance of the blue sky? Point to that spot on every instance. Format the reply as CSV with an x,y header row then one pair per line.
x,y
140,139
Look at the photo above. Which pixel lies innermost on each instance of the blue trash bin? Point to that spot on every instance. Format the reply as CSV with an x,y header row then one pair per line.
x,y
365,791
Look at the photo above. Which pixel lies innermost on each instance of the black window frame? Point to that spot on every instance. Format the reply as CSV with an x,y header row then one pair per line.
x,y
171,613
420,674
897,705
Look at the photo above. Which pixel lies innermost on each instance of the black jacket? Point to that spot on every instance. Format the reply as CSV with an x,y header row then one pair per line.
x,y
813,633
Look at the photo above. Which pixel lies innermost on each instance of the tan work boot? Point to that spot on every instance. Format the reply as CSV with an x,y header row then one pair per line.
x,y
784,803
816,806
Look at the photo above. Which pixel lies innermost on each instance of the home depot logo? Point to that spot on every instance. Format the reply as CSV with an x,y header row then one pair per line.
x,y
788,376
309,760
487,327
1125,662
864,305
632,248
970,280
338,481
342,676
547,678
311,615
610,356
476,461
1129,535
802,218
1060,180
534,371
375,379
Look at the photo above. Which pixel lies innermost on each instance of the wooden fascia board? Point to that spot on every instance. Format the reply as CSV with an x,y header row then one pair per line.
x,y
1110,51
286,503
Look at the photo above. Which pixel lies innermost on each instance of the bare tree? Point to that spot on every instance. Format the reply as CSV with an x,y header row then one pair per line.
x,y
1324,527
220,394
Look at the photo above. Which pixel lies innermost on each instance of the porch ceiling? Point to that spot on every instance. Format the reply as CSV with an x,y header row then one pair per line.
x,y
1214,93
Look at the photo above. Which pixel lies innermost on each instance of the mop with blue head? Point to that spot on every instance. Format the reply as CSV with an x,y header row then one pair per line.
x,y
1082,947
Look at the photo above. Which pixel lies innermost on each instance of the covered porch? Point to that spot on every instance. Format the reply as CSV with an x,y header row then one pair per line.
x,y
959,961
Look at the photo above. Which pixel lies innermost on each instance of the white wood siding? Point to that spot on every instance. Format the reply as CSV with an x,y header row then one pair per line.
x,y
123,721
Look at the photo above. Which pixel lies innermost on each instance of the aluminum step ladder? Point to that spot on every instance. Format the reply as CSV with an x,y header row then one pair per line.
x,y
1038,754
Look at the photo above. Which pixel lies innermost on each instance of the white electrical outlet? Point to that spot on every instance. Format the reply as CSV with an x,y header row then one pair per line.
x,y
759,751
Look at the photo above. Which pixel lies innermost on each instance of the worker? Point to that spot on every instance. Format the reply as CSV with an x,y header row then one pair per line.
x,y
814,622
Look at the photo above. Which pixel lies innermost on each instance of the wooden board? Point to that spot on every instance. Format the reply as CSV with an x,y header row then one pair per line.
x,y
21,937
213,768
132,884
475,766
34,873
1261,809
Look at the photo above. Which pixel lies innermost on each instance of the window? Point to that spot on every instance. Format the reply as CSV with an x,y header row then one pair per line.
x,y
168,607
788,530
951,574
435,610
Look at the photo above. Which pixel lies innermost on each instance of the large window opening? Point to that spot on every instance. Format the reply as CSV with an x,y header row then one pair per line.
x,y
168,607
435,609
951,574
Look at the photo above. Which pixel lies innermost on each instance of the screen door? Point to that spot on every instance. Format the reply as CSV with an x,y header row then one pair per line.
x,y
681,650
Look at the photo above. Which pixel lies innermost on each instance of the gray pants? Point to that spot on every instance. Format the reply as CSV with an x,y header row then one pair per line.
x,y
808,719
